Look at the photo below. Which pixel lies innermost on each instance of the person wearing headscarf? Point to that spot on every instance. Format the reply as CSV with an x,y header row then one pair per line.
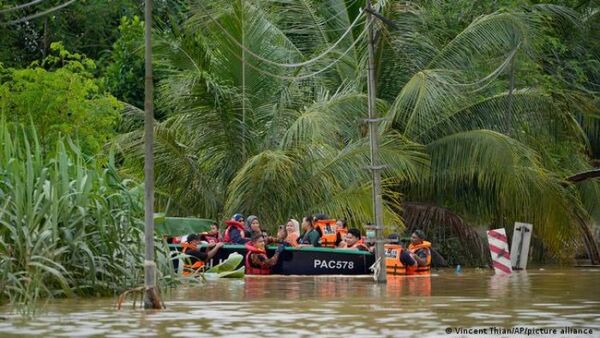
x,y
292,229
234,233
253,226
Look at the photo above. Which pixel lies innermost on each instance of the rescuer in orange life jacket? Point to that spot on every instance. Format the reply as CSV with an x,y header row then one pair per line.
x,y
257,262
418,255
352,241
196,257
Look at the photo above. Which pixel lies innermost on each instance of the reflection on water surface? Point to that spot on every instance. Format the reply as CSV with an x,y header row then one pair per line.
x,y
334,306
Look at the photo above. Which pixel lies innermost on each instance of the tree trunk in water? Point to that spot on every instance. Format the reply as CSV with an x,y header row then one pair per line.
x,y
151,297
589,241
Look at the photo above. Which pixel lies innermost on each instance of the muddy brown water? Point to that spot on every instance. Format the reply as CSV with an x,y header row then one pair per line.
x,y
474,303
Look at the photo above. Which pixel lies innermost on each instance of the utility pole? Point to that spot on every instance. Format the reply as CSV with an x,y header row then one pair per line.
x,y
151,297
375,167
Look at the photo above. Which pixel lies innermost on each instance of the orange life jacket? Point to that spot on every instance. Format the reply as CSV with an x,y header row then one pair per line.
x,y
342,231
393,264
250,268
230,224
419,270
189,269
328,230
360,243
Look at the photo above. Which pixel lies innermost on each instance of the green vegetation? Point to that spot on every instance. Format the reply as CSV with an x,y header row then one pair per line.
x,y
60,96
489,107
68,227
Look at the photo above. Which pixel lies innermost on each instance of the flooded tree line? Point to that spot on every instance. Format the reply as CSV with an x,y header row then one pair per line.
x,y
490,116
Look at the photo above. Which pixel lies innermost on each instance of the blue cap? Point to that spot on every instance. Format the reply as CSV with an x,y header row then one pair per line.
x,y
237,217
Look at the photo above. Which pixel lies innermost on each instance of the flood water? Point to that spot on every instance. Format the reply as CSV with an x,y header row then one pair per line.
x,y
281,306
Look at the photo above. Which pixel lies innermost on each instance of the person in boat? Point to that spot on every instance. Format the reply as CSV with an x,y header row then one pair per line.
x,y
311,236
196,257
256,261
342,230
234,233
292,229
253,225
418,256
353,241
212,236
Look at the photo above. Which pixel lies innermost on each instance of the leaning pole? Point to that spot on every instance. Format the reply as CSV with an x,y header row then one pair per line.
x,y
376,167
151,297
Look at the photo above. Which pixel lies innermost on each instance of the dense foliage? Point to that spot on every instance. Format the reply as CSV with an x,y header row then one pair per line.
x,y
60,96
68,227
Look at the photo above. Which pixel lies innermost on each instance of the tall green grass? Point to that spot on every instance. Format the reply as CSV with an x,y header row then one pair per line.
x,y
67,225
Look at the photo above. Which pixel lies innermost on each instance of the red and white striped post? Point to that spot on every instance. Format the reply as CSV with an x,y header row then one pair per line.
x,y
498,244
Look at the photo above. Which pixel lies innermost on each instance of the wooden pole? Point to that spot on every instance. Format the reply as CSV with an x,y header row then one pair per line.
x,y
151,297
373,121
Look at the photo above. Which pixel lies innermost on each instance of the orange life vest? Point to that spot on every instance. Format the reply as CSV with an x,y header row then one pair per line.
x,y
328,230
189,269
393,264
360,243
419,270
250,268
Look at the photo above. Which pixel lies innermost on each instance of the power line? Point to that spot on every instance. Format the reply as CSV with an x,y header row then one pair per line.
x,y
306,76
34,2
33,16
287,65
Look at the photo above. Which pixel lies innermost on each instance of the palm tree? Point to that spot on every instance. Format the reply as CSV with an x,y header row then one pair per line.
x,y
246,134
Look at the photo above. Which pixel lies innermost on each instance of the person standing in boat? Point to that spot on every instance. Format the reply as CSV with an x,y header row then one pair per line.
x,y
418,256
256,261
353,241
234,233
311,236
196,257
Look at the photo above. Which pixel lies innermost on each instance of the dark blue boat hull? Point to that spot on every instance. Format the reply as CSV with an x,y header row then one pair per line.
x,y
308,260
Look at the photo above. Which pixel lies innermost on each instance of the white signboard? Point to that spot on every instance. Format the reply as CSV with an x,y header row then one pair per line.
x,y
520,245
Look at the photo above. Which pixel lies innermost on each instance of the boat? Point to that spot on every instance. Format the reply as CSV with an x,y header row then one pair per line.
x,y
292,261
308,260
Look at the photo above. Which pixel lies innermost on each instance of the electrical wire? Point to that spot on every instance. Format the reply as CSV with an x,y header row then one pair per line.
x,y
287,65
333,17
6,10
36,15
306,76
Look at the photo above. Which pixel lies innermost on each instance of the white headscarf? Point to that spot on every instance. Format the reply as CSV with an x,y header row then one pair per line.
x,y
296,225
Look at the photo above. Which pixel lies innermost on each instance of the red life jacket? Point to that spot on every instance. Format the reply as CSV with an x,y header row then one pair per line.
x,y
232,223
253,270
210,238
